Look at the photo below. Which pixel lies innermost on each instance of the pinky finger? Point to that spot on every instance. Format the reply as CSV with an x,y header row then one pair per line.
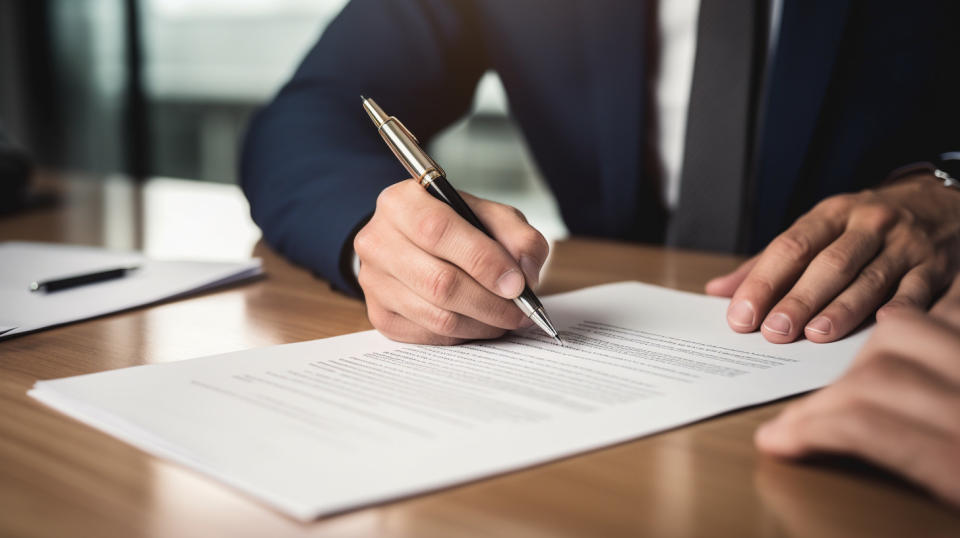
x,y
916,290
400,329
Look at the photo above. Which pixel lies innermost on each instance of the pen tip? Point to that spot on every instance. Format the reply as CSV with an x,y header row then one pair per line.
x,y
362,98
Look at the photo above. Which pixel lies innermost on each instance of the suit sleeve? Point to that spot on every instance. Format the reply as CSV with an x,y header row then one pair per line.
x,y
312,164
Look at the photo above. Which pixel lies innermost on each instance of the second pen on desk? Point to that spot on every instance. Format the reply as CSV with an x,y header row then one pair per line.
x,y
425,170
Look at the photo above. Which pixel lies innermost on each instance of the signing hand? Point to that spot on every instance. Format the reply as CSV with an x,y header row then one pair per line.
x,y
898,405
835,266
429,277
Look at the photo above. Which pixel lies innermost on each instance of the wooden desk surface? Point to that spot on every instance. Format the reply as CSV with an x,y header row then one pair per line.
x,y
60,478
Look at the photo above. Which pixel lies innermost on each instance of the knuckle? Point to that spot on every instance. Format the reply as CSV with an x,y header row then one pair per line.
x,y
483,258
836,260
757,286
536,243
443,322
795,302
913,240
914,250
908,218
841,309
837,204
792,246
519,214
387,197
442,285
878,217
433,227
362,243
874,278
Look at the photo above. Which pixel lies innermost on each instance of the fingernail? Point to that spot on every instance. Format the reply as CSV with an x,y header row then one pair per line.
x,y
741,314
531,269
510,283
778,323
821,325
526,322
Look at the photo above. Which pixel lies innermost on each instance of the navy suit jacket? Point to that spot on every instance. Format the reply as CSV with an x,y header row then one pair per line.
x,y
856,89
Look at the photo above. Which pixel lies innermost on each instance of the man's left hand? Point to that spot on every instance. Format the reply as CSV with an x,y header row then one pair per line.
x,y
837,264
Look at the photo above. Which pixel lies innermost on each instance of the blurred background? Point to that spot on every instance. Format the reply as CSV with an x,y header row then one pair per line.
x,y
164,89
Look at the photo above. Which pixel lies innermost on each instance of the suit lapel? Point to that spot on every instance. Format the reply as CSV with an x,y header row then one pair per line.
x,y
810,35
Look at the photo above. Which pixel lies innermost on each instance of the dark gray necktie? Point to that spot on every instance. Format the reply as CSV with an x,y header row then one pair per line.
x,y
710,213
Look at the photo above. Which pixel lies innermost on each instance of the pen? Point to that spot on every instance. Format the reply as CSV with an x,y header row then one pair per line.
x,y
58,284
431,177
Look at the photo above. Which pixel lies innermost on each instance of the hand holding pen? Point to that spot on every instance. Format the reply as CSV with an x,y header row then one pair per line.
x,y
436,268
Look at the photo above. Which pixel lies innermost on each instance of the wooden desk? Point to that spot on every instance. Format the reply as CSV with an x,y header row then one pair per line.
x,y
60,478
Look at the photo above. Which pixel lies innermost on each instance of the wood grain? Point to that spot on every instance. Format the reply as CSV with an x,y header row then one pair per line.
x,y
60,478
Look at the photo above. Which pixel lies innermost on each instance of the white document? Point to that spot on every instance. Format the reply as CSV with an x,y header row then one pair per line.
x,y
22,263
319,427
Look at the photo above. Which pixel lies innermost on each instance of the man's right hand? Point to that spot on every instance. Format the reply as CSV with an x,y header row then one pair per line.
x,y
430,277
898,405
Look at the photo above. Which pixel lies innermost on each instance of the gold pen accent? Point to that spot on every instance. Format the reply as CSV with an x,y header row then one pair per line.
x,y
403,143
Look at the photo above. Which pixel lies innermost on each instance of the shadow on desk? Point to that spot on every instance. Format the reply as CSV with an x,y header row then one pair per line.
x,y
793,492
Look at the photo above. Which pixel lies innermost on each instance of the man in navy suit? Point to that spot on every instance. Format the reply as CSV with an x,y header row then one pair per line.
x,y
802,115
841,93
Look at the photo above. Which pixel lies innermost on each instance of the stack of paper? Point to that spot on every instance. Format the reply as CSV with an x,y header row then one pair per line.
x,y
23,263
319,427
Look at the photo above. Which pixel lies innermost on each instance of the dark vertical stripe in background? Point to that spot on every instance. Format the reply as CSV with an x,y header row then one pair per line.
x,y
136,118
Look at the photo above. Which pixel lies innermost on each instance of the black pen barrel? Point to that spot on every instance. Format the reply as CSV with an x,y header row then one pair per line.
x,y
442,190
80,280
